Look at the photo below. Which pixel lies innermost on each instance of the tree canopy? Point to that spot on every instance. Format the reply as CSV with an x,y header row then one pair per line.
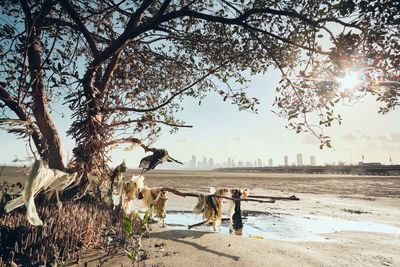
x,y
123,67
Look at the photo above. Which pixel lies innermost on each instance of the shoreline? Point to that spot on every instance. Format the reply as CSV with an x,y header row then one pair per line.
x,y
362,199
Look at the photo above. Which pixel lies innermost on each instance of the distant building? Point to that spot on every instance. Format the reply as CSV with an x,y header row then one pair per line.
x,y
270,163
205,163
299,159
210,163
285,161
193,163
313,161
240,163
233,163
248,164
229,162
370,163
259,163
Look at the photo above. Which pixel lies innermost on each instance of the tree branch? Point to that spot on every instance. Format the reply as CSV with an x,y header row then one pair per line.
x,y
124,37
71,11
164,7
131,140
240,21
108,73
176,192
144,121
171,98
285,40
21,113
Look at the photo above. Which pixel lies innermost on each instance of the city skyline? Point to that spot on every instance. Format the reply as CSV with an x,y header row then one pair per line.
x,y
207,163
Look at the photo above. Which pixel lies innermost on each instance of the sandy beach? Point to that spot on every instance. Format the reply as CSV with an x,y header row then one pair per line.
x,y
359,217
352,198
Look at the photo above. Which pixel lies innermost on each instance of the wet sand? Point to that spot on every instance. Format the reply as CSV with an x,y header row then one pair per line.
x,y
366,199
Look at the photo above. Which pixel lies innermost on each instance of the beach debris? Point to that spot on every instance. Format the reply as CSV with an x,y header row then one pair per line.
x,y
131,194
40,178
236,218
211,207
257,236
150,162
160,206
117,183
154,199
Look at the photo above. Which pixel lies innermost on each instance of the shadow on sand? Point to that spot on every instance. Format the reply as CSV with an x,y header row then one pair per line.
x,y
180,235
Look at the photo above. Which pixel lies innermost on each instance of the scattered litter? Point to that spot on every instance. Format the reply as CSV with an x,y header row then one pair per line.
x,y
158,245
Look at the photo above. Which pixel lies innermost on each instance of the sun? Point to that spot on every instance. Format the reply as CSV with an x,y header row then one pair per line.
x,y
350,81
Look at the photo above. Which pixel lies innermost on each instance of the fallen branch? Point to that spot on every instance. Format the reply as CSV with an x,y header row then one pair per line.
x,y
176,192
203,222
171,159
276,198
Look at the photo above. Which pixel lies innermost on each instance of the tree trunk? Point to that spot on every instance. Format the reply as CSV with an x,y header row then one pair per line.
x,y
55,152
91,148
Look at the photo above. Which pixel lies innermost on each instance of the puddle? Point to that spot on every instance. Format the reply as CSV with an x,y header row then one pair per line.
x,y
283,227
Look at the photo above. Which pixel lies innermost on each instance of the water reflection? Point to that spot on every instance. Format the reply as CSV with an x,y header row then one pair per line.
x,y
284,227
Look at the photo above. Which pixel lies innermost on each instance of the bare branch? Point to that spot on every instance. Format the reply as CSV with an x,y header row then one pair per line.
x,y
131,140
134,21
144,121
20,111
173,95
71,11
108,74
164,7
176,192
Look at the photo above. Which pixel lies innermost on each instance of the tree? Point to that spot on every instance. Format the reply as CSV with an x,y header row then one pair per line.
x,y
124,66
364,59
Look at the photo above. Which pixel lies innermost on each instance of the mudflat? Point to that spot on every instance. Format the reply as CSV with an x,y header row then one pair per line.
x,y
325,201
368,200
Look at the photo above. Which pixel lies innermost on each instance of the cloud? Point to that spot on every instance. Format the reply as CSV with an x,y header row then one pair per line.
x,y
349,136
392,138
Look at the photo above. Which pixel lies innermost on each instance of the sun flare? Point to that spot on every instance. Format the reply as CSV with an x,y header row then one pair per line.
x,y
350,81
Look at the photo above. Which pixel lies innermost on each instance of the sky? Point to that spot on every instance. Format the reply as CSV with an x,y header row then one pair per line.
x,y
220,132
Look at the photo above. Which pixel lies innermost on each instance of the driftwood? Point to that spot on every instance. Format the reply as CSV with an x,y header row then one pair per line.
x,y
176,192
276,198
190,226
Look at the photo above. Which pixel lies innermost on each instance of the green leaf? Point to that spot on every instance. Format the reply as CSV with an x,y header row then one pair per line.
x,y
146,217
328,144
127,225
131,254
